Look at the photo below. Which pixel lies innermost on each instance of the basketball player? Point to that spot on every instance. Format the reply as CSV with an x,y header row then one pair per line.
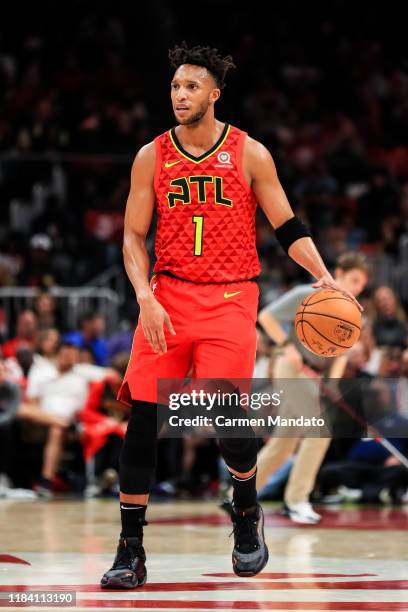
x,y
205,178
351,273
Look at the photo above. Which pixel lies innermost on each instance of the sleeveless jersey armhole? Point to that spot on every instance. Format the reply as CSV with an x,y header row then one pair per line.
x,y
240,161
158,165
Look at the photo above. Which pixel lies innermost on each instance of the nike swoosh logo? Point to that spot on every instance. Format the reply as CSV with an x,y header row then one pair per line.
x,y
228,295
168,164
126,508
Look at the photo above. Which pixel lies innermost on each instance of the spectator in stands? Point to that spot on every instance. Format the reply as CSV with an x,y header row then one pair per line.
x,y
104,421
86,355
263,358
380,196
343,402
121,340
90,336
56,394
38,271
374,355
402,389
390,322
45,309
369,470
26,334
336,166
9,401
18,367
43,363
48,342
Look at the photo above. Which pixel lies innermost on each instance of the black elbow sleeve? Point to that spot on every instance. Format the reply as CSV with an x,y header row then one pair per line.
x,y
290,231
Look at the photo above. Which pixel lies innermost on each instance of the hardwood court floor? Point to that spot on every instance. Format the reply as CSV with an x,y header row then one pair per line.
x,y
357,559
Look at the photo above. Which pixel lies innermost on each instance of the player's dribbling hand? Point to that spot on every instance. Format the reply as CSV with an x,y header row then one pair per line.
x,y
153,318
328,282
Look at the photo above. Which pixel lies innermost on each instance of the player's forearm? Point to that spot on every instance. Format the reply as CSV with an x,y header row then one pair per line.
x,y
305,253
137,265
272,327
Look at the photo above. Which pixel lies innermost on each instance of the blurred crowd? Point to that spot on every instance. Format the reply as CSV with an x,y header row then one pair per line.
x,y
322,91
329,100
61,426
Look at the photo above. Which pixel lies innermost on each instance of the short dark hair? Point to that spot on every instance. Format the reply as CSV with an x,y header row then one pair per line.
x,y
207,57
86,317
65,344
352,261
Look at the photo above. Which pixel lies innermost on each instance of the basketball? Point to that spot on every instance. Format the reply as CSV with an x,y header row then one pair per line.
x,y
328,323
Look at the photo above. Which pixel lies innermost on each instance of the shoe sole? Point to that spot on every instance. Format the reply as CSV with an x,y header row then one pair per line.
x,y
115,583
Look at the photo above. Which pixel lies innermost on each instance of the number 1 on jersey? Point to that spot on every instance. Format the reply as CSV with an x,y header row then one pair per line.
x,y
198,235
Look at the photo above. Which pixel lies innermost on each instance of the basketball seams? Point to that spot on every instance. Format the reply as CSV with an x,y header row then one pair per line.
x,y
342,346
320,320
304,337
322,314
336,297
301,321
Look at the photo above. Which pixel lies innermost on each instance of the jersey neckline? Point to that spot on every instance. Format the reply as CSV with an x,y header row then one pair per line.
x,y
179,148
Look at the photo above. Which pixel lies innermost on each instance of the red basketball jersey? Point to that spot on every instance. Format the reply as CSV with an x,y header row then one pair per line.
x,y
206,211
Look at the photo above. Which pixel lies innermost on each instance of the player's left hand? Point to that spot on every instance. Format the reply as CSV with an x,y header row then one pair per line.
x,y
328,282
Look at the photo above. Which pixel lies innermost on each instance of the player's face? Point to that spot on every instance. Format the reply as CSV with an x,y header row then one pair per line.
x,y
193,92
353,281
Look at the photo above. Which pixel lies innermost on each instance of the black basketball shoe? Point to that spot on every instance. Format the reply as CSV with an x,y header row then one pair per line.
x,y
250,554
128,570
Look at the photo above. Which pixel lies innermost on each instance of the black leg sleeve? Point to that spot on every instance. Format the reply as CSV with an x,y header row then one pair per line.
x,y
138,456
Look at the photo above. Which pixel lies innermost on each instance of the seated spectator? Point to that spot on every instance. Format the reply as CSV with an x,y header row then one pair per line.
x,y
402,386
47,347
86,356
43,360
45,309
9,401
104,422
369,474
262,368
90,337
374,355
26,334
343,399
121,340
369,469
18,367
389,326
56,393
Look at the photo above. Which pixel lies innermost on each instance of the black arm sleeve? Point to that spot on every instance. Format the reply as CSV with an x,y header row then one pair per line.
x,y
290,231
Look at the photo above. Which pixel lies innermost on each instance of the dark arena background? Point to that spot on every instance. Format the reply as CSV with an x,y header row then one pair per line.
x,y
83,85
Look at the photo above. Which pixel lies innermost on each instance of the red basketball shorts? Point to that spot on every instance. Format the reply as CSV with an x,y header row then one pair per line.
x,y
215,336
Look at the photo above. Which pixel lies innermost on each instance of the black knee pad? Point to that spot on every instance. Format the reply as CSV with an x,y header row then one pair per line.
x,y
138,456
239,453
